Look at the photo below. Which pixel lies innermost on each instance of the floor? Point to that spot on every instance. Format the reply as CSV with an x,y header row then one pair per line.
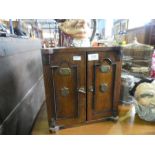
x,y
128,124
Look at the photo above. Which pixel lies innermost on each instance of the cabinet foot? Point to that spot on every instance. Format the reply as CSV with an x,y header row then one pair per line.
x,y
54,129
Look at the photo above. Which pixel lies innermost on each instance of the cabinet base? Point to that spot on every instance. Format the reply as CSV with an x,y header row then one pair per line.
x,y
54,129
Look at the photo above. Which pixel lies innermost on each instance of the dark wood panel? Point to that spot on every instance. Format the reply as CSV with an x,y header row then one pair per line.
x,y
103,100
68,109
103,104
66,94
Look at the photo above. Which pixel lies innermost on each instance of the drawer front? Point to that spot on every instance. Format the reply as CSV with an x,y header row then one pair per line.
x,y
68,88
101,84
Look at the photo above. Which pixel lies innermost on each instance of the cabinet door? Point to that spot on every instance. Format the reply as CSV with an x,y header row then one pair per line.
x,y
68,75
101,70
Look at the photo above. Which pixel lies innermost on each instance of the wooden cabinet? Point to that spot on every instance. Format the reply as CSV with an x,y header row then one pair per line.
x,y
81,84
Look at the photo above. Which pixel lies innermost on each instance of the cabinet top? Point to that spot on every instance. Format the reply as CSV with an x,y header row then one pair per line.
x,y
80,49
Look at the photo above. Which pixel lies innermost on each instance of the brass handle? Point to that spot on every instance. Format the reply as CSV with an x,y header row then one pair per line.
x,y
90,89
82,90
65,71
